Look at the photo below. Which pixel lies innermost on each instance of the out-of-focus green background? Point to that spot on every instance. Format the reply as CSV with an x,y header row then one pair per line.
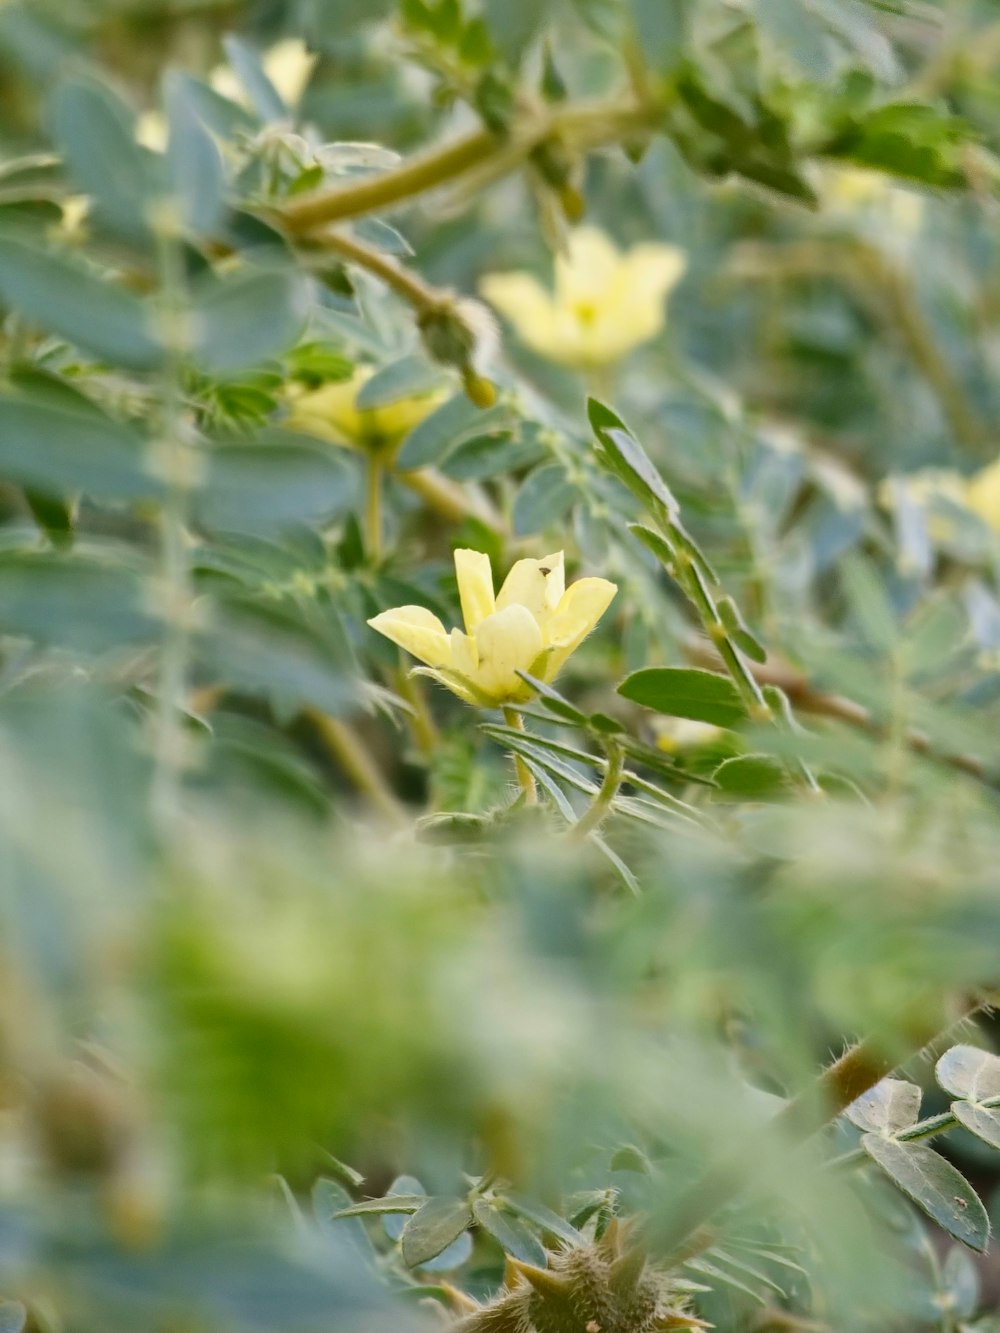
x,y
278,933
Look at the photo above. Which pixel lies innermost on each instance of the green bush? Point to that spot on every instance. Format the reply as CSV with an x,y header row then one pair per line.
x,y
606,964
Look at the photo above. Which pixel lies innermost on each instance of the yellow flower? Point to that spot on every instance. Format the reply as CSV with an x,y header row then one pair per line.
x,y
332,414
979,494
854,191
982,494
604,303
532,624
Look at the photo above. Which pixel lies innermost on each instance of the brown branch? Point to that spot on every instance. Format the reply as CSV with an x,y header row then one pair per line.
x,y
806,698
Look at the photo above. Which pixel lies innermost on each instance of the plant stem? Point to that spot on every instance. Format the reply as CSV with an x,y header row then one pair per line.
x,y
409,179
854,1073
525,776
923,1129
886,290
356,762
581,126
593,816
692,580
373,506
405,283
171,461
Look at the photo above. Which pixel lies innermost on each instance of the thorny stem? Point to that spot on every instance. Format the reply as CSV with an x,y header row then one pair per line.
x,y
840,1084
525,776
593,816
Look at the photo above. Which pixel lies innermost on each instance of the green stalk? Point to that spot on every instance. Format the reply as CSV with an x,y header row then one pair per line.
x,y
594,815
525,777
171,461
373,506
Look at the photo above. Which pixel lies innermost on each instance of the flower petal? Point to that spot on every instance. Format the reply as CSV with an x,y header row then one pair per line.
x,y
464,654
582,606
418,631
536,584
330,412
458,684
528,306
475,586
587,269
653,270
508,641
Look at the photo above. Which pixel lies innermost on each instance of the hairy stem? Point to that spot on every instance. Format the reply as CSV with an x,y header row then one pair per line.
x,y
373,506
592,818
854,1073
580,126
525,776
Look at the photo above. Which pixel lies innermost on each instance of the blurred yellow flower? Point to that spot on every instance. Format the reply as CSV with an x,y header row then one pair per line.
x,y
851,190
332,413
288,64
532,624
982,494
979,493
604,302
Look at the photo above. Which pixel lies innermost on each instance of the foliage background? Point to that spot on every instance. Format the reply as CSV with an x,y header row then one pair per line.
x,y
269,905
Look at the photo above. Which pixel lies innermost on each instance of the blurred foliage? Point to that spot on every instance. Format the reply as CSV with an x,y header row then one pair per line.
x,y
329,1001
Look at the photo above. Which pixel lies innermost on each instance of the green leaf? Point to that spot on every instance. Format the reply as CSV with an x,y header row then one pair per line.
x,y
543,499
890,1106
242,320
983,1121
53,515
194,163
512,1236
554,701
410,377
752,776
869,603
968,1072
732,619
329,1199
935,1186
909,139
293,655
391,1203
48,448
95,130
73,602
702,696
544,1218
258,87
623,455
86,309
662,29
271,484
433,1228
450,425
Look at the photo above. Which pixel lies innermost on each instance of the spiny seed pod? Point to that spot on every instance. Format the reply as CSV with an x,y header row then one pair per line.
x,y
600,1288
